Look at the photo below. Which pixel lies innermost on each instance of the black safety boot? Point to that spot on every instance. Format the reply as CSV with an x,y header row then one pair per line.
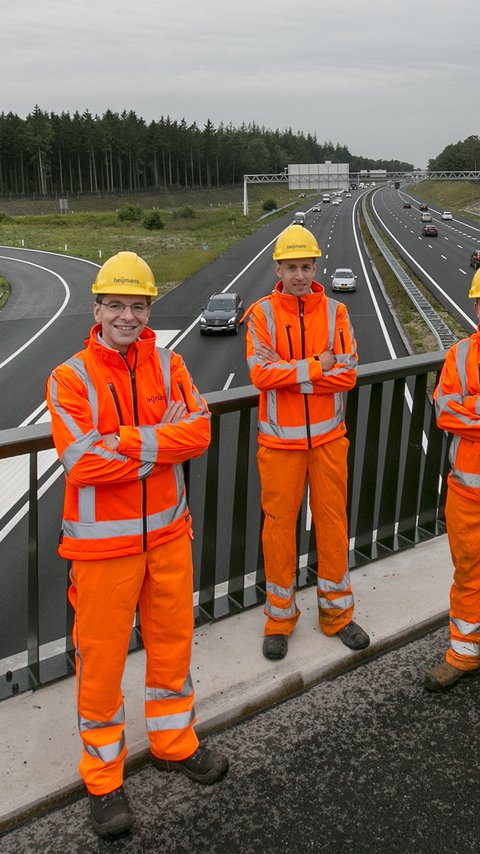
x,y
353,636
275,647
204,766
110,813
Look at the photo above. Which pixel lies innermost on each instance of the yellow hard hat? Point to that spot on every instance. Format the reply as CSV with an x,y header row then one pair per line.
x,y
125,273
296,242
474,292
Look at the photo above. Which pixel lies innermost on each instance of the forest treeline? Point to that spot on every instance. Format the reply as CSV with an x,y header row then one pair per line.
x,y
458,156
60,155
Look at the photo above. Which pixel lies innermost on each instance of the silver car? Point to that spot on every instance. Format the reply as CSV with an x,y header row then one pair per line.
x,y
344,279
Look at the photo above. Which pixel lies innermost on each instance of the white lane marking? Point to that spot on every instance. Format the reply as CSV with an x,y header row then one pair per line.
x,y
14,477
164,336
46,252
228,382
52,319
465,273
381,321
30,419
459,247
444,257
434,283
227,288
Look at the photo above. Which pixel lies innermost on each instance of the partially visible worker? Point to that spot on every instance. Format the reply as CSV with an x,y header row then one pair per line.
x,y
125,416
302,356
457,401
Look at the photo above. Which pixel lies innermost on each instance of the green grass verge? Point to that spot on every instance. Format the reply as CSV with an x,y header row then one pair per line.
x,y
416,330
455,196
181,248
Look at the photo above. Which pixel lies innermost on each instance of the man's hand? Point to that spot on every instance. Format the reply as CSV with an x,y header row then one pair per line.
x,y
110,441
176,411
266,353
327,360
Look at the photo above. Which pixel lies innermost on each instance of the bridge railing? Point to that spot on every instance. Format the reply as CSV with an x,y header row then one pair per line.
x,y
396,495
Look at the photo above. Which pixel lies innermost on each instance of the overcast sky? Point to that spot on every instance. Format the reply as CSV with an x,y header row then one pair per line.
x,y
387,79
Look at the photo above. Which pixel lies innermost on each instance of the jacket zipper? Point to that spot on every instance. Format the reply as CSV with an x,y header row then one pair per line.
x,y
133,382
144,482
289,337
116,402
305,396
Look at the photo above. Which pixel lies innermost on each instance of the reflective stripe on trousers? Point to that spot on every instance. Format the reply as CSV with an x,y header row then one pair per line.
x,y
105,594
464,539
283,474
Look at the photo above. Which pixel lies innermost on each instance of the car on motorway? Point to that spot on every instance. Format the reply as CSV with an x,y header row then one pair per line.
x,y
336,200
317,207
475,259
299,218
325,198
429,230
344,279
348,195
423,206
407,205
301,195
222,313
447,215
426,217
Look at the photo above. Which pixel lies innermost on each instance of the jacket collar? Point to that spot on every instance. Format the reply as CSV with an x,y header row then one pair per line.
x,y
138,352
310,301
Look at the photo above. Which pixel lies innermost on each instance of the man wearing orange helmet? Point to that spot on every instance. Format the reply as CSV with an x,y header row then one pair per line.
x,y
125,416
302,357
457,402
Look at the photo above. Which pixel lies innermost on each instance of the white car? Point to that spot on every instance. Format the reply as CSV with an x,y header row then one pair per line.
x,y
336,200
447,215
344,279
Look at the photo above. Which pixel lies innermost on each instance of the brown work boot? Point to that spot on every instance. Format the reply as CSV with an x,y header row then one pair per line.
x,y
443,676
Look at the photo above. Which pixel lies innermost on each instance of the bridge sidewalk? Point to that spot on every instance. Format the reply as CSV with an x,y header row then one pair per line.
x,y
397,599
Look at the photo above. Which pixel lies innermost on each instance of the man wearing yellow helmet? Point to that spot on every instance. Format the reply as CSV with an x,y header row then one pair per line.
x,y
125,416
302,357
457,401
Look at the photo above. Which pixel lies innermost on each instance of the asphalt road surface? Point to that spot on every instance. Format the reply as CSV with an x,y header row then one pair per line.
x,y
367,763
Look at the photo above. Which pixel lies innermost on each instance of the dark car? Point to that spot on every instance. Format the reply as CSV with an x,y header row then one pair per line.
x,y
429,230
423,206
475,259
407,205
222,313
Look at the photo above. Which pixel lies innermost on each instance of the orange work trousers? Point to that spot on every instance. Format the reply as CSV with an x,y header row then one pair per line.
x,y
462,516
104,594
283,476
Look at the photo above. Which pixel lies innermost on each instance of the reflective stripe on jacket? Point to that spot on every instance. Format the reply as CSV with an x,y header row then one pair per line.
x,y
301,406
126,501
457,403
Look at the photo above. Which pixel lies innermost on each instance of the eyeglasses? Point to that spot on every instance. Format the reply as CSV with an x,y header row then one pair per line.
x,y
119,307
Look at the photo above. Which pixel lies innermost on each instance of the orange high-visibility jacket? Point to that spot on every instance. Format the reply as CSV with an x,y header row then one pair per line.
x,y
126,501
301,406
457,404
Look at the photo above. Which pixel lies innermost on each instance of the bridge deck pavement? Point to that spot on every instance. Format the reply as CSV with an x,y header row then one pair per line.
x,y
397,599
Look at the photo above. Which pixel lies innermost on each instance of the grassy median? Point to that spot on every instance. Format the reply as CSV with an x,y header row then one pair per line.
x,y
197,227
